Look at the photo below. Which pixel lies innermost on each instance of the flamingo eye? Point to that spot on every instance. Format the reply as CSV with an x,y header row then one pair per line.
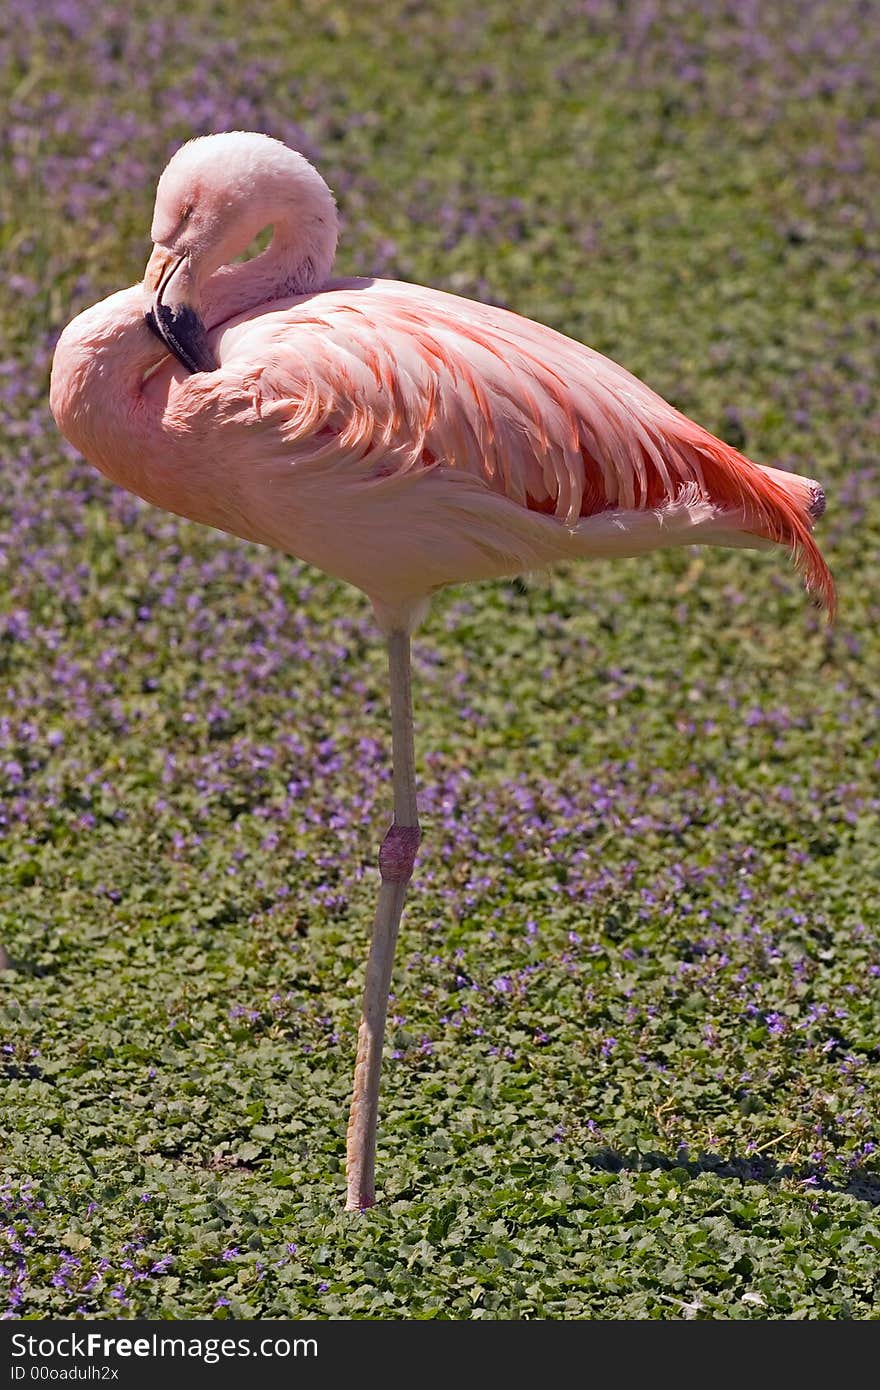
x,y
186,214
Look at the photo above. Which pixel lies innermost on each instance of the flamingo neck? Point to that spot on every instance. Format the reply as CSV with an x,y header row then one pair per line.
x,y
297,261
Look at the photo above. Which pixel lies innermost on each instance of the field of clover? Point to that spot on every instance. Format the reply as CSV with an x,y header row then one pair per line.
x,y
635,1038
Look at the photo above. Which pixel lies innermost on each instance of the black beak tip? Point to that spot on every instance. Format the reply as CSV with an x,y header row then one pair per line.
x,y
184,334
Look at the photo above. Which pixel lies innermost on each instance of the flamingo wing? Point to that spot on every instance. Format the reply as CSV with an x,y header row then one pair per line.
x,y
378,384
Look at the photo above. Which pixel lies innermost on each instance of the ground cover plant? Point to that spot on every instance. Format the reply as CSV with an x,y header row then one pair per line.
x,y
635,1039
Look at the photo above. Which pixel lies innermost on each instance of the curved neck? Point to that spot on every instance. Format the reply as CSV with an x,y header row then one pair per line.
x,y
298,260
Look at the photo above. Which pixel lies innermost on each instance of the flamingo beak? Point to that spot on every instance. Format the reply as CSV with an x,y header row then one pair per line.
x,y
171,317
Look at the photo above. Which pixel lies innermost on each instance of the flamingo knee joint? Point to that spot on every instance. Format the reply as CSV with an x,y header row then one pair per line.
x,y
397,853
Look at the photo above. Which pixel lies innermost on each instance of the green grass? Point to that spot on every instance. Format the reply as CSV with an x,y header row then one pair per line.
x,y
633,1060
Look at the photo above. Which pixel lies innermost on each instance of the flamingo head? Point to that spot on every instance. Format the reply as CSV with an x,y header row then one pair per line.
x,y
215,196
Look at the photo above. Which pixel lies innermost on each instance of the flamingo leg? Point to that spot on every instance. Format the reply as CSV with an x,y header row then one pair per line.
x,y
396,859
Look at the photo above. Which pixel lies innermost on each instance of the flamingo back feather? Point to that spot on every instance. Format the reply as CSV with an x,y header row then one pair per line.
x,y
369,387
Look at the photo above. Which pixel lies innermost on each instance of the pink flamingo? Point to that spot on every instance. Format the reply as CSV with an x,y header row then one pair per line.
x,y
398,437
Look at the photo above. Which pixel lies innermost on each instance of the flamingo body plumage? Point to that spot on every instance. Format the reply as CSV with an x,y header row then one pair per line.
x,y
404,439
395,436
